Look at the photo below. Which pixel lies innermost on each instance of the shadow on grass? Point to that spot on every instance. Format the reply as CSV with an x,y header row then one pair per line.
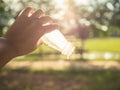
x,y
68,79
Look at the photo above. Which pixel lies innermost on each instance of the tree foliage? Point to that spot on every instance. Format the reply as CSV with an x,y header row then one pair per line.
x,y
11,8
101,16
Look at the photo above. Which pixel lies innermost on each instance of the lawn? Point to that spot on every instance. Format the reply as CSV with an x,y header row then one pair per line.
x,y
94,44
103,45
70,79
100,48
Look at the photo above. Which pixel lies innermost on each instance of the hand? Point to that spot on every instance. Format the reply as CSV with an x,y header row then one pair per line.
x,y
24,35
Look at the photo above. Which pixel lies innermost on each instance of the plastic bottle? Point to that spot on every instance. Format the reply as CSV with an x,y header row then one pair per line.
x,y
56,40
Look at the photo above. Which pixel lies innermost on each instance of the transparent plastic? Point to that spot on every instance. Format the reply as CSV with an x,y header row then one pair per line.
x,y
56,40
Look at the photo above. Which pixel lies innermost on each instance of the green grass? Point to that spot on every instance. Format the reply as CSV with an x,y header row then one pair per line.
x,y
94,44
69,79
38,57
44,49
103,45
99,45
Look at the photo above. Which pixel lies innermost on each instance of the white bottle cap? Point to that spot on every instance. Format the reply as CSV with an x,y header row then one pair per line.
x,y
68,49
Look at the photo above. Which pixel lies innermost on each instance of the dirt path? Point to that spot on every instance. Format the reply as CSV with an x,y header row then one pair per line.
x,y
61,65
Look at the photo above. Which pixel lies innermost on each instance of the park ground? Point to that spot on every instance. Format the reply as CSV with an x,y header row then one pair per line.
x,y
58,73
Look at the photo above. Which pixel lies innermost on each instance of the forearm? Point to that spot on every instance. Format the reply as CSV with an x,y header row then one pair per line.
x,y
6,52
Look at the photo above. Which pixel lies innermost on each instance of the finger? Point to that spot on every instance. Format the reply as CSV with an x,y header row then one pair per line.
x,y
49,28
26,12
45,20
39,13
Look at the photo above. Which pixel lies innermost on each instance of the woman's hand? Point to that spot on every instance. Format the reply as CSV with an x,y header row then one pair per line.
x,y
24,35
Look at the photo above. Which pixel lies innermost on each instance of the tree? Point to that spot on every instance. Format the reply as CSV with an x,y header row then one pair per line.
x,y
101,18
11,8
115,20
4,16
105,18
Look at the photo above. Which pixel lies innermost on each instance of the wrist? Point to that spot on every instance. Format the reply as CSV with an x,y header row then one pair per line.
x,y
7,52
7,48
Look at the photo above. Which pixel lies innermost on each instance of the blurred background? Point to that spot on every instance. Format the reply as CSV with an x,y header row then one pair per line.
x,y
93,27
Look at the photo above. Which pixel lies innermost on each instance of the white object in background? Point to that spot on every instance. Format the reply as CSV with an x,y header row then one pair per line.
x,y
56,40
